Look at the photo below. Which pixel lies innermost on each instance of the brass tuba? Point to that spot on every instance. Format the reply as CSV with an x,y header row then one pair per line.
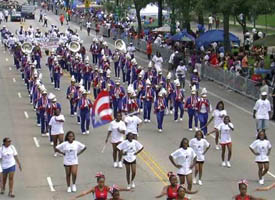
x,y
120,45
74,46
27,48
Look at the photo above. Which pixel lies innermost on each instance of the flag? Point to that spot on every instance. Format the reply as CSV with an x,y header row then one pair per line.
x,y
101,112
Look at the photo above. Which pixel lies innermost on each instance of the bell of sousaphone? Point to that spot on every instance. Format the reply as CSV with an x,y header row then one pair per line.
x,y
27,48
120,45
74,46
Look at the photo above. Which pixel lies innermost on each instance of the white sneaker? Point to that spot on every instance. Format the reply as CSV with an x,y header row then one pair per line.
x,y
171,112
51,143
181,119
228,164
160,130
78,123
261,182
141,110
148,120
47,134
176,120
190,129
58,88
75,113
73,188
84,133
38,124
128,187
194,181
223,164
72,115
44,135
115,165
89,92
119,164
217,147
196,129
69,190
87,132
55,154
133,185
200,182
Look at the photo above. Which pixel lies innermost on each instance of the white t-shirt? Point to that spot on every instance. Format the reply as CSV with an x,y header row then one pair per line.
x,y
132,123
211,20
71,150
199,147
57,127
116,136
262,108
130,148
88,24
261,147
7,154
225,133
158,62
218,117
184,157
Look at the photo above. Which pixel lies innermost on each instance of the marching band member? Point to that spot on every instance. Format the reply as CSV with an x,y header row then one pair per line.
x,y
151,73
95,80
42,106
87,72
261,148
178,101
85,105
158,82
116,58
130,148
58,72
108,84
129,64
122,65
75,68
191,106
184,159
195,79
50,64
105,65
147,96
37,55
94,49
116,130
117,95
17,54
77,96
139,86
131,49
200,147
204,107
160,105
170,88
70,94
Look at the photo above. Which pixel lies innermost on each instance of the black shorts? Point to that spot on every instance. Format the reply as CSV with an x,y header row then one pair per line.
x,y
200,162
262,162
129,163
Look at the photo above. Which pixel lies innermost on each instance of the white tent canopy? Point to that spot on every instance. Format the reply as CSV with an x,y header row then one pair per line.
x,y
151,10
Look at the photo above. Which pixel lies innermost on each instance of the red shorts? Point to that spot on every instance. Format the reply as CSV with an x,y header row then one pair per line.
x,y
225,144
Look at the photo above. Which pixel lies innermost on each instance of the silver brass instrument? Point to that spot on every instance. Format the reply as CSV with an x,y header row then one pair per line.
x,y
120,45
74,46
27,48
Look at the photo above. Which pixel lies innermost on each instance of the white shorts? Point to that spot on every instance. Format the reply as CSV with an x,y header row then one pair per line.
x,y
1,169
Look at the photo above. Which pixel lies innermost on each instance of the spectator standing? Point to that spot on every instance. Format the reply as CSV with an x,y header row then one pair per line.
x,y
217,22
158,60
149,50
61,19
210,22
1,17
6,14
273,100
88,26
261,112
264,87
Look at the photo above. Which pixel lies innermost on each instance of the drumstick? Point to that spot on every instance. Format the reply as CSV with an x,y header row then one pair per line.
x,y
103,149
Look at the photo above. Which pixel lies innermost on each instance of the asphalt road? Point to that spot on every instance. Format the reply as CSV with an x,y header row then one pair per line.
x,y
153,164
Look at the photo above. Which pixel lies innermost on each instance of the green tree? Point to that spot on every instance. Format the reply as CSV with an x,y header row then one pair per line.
x,y
139,4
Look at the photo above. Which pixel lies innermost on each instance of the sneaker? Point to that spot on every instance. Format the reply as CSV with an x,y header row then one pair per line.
x,y
133,185
141,110
75,113
128,187
78,123
223,164
261,182
160,130
89,92
228,164
84,133
69,190
196,129
194,181
73,188
181,119
44,135
217,147
38,124
115,165
119,164
200,182
47,134
171,112
72,115
87,132
58,88
51,143
176,120
190,129
55,154
148,120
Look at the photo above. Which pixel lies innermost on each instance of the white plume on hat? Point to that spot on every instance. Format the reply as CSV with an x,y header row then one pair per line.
x,y
130,88
193,89
40,76
203,91
73,79
169,75
148,82
81,82
163,91
150,64
51,96
177,82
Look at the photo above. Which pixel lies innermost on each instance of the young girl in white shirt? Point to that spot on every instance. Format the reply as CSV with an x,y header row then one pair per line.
x,y
116,130
184,159
130,148
225,130
261,148
218,115
56,127
70,149
200,146
9,158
